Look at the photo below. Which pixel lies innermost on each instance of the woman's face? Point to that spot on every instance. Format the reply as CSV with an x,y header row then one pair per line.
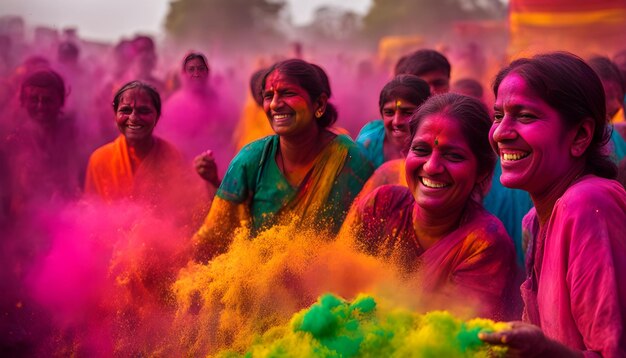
x,y
136,115
196,72
43,104
396,114
530,138
441,169
288,106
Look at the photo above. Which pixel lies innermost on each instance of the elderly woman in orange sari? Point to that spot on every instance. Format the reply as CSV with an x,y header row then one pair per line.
x,y
139,166
436,227
304,172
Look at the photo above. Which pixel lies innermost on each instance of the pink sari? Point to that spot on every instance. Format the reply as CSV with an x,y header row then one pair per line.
x,y
473,266
576,288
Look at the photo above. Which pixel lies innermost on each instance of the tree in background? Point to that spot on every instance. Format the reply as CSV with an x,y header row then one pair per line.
x,y
335,23
426,17
225,23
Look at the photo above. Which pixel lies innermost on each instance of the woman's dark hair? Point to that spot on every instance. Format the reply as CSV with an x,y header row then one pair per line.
x,y
193,55
255,85
407,87
46,79
475,122
151,91
312,79
421,62
570,86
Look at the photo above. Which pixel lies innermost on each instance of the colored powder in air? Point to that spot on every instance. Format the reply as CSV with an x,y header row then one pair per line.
x,y
105,280
113,287
333,327
258,284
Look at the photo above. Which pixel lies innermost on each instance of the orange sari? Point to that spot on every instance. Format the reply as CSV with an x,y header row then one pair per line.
x,y
161,179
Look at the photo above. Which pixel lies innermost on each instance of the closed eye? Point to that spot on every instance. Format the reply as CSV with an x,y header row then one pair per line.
x,y
455,157
420,150
526,117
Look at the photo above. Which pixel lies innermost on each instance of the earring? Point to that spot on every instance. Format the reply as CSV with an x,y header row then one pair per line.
x,y
318,114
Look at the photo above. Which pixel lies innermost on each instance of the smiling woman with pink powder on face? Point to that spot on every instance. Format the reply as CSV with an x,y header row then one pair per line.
x,y
139,166
199,117
436,227
550,129
303,171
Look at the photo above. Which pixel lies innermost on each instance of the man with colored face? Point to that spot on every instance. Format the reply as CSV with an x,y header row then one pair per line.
x,y
429,65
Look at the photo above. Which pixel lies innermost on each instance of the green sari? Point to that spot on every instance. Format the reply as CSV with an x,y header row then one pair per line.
x,y
321,200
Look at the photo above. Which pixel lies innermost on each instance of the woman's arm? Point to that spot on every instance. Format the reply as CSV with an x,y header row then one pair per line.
x,y
217,231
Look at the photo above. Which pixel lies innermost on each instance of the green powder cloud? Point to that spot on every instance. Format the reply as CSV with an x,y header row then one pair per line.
x,y
333,327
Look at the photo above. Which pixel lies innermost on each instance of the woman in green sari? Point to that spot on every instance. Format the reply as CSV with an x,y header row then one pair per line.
x,y
304,174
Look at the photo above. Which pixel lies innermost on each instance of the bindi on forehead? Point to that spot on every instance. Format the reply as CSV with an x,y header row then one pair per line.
x,y
276,81
270,81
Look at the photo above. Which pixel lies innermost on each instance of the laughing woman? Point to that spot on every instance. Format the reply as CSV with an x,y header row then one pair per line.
x,y
302,171
436,227
141,167
550,129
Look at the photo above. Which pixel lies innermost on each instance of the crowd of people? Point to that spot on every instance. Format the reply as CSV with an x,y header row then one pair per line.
x,y
516,211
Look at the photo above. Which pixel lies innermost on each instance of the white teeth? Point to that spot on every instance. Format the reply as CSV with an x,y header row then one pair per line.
x,y
280,116
513,156
135,127
432,184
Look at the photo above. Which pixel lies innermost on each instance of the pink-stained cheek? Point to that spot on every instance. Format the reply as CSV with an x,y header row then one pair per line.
x,y
387,122
412,165
266,107
119,121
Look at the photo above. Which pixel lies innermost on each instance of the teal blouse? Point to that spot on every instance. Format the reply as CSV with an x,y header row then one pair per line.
x,y
371,139
253,177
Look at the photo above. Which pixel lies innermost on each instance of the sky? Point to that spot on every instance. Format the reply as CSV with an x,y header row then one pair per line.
x,y
108,20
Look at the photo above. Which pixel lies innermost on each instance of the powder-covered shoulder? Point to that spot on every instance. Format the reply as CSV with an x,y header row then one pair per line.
x,y
384,200
593,193
103,153
484,233
490,229
356,155
354,150
252,153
